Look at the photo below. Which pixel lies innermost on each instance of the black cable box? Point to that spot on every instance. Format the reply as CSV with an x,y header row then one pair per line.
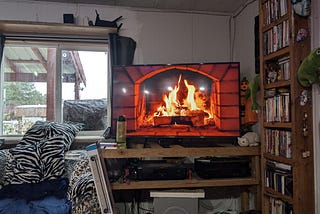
x,y
158,170
222,167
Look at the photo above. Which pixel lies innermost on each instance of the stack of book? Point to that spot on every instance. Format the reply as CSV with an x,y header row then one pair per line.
x,y
278,142
278,176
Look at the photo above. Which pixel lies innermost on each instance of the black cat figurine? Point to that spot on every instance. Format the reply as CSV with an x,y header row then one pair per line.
x,y
104,23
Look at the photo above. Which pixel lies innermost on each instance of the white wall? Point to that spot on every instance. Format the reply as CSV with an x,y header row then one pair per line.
x,y
161,37
243,47
243,50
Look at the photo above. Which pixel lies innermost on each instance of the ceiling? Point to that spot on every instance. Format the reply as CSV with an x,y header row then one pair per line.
x,y
201,6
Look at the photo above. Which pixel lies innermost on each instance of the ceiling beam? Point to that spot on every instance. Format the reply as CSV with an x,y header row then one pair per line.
x,y
42,60
29,77
78,66
11,65
28,61
25,77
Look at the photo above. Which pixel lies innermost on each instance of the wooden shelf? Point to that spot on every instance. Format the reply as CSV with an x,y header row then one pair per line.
x,y
179,151
156,151
188,183
58,29
278,21
278,54
270,192
278,159
284,83
277,125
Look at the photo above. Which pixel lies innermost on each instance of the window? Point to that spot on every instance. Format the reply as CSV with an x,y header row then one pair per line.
x,y
56,81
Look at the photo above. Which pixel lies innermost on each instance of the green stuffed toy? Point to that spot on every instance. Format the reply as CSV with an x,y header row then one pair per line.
x,y
309,70
254,87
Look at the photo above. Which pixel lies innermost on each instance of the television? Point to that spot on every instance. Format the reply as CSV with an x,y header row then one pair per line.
x,y
178,102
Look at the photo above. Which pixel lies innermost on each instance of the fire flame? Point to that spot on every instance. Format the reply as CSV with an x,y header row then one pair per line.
x,y
194,101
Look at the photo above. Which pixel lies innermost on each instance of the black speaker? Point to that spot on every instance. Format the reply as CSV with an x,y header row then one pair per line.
x,y
68,18
222,167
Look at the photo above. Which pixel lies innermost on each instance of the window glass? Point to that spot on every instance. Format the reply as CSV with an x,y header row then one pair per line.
x,y
51,82
84,88
24,86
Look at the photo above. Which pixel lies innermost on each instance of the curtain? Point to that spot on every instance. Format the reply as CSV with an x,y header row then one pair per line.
x,y
121,49
2,40
121,53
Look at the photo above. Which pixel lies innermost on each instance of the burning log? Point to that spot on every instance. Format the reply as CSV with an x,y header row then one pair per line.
x,y
162,120
169,120
192,118
198,117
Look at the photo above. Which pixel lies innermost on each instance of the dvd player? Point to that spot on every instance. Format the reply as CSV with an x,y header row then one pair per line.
x,y
222,167
158,170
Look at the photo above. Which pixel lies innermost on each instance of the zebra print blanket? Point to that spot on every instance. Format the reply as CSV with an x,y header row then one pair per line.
x,y
40,156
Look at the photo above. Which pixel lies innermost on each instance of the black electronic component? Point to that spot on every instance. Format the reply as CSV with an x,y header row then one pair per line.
x,y
222,167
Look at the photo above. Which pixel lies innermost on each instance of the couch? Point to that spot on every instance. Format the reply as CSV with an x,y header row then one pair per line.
x,y
42,175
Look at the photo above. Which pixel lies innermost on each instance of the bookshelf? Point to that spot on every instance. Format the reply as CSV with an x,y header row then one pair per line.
x,y
286,125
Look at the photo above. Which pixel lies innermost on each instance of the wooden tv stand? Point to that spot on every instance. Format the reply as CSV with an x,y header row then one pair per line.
x,y
155,150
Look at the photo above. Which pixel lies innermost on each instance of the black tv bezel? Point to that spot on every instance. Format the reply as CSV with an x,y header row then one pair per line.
x,y
188,141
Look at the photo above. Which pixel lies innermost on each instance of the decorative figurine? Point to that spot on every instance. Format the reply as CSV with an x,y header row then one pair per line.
x,y
302,35
302,7
249,139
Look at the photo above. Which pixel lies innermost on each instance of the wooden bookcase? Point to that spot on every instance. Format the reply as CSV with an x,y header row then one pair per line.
x,y
287,169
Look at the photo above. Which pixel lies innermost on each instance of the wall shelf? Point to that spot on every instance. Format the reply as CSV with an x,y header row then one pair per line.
x,y
58,29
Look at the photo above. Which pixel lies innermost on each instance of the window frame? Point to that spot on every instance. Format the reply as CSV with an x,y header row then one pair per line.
x,y
63,43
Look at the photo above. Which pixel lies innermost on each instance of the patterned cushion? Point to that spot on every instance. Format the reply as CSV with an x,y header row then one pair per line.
x,y
37,162
9,173
45,129
26,164
81,168
84,196
82,191
52,157
69,130
4,158
72,158
36,133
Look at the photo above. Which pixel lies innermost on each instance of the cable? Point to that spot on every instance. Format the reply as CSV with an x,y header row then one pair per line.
x,y
125,207
246,4
205,205
144,209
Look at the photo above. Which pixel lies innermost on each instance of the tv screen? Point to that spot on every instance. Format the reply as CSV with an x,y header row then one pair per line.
x,y
178,101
